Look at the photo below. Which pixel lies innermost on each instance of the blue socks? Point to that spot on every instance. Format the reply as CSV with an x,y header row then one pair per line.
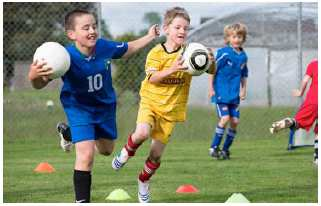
x,y
229,139
219,132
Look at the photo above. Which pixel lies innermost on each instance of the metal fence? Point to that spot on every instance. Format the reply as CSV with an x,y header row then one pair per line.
x,y
278,35
26,26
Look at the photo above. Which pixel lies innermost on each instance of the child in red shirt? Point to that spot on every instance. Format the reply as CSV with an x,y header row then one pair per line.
x,y
308,112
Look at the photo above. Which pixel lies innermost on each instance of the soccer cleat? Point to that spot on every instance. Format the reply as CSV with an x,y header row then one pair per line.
x,y
65,136
315,159
120,159
143,192
215,152
282,124
225,155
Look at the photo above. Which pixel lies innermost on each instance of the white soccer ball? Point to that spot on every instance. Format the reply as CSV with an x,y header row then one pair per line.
x,y
196,59
50,103
56,57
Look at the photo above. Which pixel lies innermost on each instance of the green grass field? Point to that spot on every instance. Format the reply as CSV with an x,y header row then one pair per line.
x,y
261,168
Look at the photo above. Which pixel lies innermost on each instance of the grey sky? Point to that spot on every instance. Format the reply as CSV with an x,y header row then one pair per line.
x,y
121,17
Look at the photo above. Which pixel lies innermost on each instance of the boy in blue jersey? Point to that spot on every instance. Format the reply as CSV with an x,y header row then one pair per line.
x,y
227,86
87,95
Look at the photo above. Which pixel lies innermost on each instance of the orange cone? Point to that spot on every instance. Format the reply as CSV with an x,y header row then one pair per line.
x,y
44,167
187,189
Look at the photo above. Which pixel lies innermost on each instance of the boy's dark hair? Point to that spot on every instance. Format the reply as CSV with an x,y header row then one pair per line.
x,y
70,17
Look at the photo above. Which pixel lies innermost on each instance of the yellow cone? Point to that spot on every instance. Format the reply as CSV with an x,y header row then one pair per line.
x,y
118,195
237,198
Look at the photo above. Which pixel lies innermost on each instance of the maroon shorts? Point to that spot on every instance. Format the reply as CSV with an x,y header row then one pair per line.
x,y
306,116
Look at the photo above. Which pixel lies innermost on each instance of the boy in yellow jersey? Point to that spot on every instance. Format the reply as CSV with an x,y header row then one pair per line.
x,y
164,93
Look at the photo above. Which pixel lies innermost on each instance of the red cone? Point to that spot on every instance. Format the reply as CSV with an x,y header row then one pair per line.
x,y
44,167
187,189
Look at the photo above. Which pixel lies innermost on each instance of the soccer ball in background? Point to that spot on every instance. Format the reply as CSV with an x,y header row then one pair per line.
x,y
50,104
196,59
56,57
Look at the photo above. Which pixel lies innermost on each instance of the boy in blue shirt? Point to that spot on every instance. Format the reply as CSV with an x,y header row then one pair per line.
x,y
227,86
87,95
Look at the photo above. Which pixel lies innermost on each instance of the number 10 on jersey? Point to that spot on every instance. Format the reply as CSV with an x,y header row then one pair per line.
x,y
95,83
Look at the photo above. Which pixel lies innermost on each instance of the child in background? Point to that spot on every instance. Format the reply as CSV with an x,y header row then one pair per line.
x,y
164,93
308,111
87,95
227,86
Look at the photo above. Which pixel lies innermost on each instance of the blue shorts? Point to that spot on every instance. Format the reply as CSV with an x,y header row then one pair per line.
x,y
107,129
231,110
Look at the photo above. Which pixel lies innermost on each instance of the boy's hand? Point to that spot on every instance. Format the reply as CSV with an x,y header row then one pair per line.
x,y
211,93
210,54
242,95
39,69
296,93
154,31
178,64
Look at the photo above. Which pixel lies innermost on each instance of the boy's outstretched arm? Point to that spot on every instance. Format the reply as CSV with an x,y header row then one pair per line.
x,y
136,45
38,75
304,82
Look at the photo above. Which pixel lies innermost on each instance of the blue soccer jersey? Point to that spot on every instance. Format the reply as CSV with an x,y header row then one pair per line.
x,y
231,67
87,94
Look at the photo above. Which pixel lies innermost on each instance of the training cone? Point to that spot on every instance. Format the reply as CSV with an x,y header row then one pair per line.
x,y
237,198
44,167
118,195
186,189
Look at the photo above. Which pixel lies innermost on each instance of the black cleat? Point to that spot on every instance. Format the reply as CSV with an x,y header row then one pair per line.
x,y
315,159
65,136
215,152
225,155
64,131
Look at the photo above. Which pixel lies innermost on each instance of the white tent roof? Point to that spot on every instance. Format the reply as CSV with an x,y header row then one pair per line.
x,y
269,25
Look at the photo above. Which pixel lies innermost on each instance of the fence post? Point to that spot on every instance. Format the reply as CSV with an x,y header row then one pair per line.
x,y
269,90
299,30
98,12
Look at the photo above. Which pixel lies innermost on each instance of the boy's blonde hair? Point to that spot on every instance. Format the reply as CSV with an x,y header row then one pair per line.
x,y
238,28
172,13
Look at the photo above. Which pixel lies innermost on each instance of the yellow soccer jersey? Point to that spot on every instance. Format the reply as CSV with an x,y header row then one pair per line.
x,y
168,98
